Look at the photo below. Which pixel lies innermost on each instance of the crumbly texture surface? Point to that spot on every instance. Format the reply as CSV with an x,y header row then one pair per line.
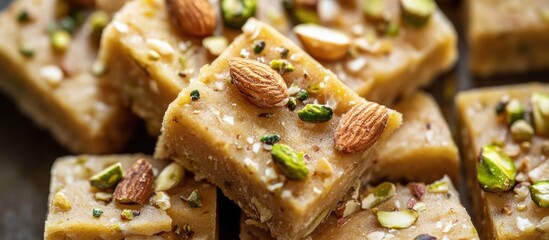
x,y
504,215
422,149
444,218
508,36
57,90
70,176
218,137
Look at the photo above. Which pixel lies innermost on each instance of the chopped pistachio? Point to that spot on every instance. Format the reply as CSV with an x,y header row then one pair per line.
x,y
23,16
26,51
438,187
397,219
514,110
374,10
108,178
259,45
96,212
380,194
302,95
292,103
500,106
194,199
521,131
186,232
315,113
304,15
289,162
60,40
417,12
283,52
98,21
420,207
540,113
126,214
195,95
68,24
103,196
392,29
496,171
425,237
236,12
61,202
169,177
270,139
539,192
282,66
161,200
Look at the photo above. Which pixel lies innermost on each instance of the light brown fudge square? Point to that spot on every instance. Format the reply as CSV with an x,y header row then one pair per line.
x,y
510,214
422,150
218,137
443,218
70,176
508,36
58,90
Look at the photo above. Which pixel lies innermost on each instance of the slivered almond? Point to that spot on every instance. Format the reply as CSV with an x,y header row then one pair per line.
x,y
360,128
137,185
192,17
259,83
323,43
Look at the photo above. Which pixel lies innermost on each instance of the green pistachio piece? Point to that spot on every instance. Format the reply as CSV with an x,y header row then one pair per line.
x,y
374,10
302,95
438,187
522,131
305,15
236,12
169,177
195,95
539,193
68,24
292,103
194,199
60,40
425,237
23,16
315,113
259,45
302,11
514,110
496,172
392,30
126,214
540,113
283,52
282,66
500,106
289,162
108,178
417,12
397,219
380,194
26,51
270,139
96,212
98,21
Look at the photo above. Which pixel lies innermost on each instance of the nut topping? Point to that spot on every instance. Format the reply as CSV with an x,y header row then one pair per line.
x,y
323,43
259,83
360,128
137,185
193,17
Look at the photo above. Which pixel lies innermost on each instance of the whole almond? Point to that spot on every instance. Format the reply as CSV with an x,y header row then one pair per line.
x,y
360,128
137,185
192,17
259,83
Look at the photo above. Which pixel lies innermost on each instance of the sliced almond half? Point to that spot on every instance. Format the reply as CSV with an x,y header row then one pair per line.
x,y
323,43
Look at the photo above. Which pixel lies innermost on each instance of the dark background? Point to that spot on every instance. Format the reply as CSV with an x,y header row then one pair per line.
x,y
27,152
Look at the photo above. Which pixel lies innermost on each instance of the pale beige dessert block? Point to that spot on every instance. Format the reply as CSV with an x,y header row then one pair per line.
x,y
440,215
509,214
217,136
57,89
422,150
70,180
508,36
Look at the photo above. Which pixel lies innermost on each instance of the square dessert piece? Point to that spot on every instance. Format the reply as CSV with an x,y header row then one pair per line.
x,y
504,132
46,58
381,49
422,150
508,36
415,211
171,204
277,132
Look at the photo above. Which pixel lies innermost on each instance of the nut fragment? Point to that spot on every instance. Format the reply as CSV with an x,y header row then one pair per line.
x,y
61,202
323,43
541,172
259,83
496,172
236,12
170,177
360,128
540,113
193,17
289,162
108,178
540,193
543,225
397,219
521,131
417,12
440,186
315,113
137,185
161,200
215,45
381,193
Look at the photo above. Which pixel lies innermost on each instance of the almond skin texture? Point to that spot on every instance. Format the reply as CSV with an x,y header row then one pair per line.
x,y
259,83
360,128
194,18
137,185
